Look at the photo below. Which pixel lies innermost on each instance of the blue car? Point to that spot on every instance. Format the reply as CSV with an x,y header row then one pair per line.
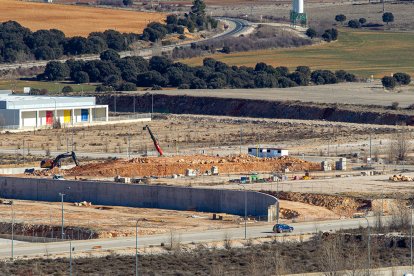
x,y
280,228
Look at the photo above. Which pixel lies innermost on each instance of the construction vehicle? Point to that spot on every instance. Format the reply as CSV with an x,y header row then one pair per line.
x,y
154,140
52,163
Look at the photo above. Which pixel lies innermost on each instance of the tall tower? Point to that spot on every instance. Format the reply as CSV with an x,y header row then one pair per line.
x,y
297,14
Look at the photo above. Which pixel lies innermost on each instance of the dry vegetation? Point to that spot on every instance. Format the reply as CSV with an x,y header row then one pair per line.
x,y
75,20
325,252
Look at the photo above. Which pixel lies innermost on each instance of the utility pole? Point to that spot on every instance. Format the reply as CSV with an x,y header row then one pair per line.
x,y
369,246
241,139
383,6
136,248
370,147
72,137
63,231
70,257
245,211
12,233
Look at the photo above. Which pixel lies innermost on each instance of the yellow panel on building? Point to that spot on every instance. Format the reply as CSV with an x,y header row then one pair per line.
x,y
66,116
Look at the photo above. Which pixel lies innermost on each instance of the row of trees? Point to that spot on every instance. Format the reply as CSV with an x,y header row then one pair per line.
x,y
387,17
390,82
127,73
18,43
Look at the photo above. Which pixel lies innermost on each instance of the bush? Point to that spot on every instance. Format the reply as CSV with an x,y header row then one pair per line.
x,y
355,24
362,21
330,35
67,89
340,18
311,33
103,88
402,78
389,82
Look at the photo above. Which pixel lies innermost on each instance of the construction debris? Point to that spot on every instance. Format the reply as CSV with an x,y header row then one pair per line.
x,y
401,178
83,204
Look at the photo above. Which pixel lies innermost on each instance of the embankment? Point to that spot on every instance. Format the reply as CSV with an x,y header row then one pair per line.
x,y
162,103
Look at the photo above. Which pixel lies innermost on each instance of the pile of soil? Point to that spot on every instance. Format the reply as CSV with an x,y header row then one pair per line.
x,y
343,205
165,166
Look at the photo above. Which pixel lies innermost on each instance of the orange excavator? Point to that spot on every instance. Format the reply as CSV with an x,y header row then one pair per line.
x,y
154,140
52,163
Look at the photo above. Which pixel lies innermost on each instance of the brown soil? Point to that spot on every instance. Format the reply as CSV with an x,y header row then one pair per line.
x,y
164,166
342,205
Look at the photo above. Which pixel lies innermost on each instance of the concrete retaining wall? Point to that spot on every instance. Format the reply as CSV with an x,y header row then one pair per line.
x,y
163,197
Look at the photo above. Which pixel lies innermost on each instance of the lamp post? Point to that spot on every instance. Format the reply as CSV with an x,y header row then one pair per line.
x,y
12,233
136,248
70,257
369,246
245,211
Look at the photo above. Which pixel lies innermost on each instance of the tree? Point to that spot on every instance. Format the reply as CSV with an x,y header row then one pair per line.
x,y
402,78
80,77
127,86
172,19
150,79
127,2
160,64
110,55
299,78
355,24
311,33
56,71
330,35
304,70
226,50
388,17
198,8
389,82
340,18
362,20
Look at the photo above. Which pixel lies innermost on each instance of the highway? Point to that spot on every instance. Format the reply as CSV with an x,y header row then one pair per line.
x,y
185,236
236,27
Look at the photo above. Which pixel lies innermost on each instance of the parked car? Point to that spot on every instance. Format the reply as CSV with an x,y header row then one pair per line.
x,y
280,228
58,177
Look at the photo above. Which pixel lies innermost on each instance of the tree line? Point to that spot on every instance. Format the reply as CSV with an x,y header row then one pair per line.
x,y
18,43
115,73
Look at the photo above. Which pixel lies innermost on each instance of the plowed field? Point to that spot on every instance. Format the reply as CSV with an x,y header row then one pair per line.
x,y
75,20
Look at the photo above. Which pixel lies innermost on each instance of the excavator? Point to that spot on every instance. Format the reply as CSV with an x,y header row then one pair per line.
x,y
154,140
52,163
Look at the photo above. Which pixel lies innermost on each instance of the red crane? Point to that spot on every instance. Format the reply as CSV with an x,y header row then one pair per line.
x,y
154,140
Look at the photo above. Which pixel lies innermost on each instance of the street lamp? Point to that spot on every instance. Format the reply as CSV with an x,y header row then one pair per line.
x,y
245,211
369,245
136,248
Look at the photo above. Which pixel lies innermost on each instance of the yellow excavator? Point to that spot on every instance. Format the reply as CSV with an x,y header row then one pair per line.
x,y
52,163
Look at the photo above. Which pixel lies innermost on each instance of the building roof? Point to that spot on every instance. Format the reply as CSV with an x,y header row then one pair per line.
x,y
21,101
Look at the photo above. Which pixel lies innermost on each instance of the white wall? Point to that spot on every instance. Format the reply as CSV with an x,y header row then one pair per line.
x,y
29,119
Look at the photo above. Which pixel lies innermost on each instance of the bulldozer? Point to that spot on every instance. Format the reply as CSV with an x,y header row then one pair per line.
x,y
52,163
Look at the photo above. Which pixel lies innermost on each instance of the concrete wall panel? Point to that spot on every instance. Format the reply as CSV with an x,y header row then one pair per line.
x,y
145,196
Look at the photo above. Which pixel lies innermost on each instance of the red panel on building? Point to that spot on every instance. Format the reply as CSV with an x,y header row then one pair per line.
x,y
49,117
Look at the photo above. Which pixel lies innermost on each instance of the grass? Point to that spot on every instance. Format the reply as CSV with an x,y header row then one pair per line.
x,y
17,85
75,20
364,53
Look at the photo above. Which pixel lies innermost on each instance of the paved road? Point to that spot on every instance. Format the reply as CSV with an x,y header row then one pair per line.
x,y
236,27
184,237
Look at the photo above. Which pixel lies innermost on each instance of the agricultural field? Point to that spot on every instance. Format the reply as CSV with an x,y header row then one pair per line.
x,y
52,87
75,20
363,53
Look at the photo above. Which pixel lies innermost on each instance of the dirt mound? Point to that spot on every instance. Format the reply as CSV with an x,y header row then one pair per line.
x,y
164,166
342,205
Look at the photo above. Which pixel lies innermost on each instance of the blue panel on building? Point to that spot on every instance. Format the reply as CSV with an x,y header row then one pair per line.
x,y
84,115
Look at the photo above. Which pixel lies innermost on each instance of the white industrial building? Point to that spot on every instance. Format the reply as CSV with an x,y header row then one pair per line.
x,y
268,152
20,111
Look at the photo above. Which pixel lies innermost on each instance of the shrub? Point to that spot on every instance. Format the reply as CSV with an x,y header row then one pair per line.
x,y
389,82
340,18
362,21
127,86
388,17
226,50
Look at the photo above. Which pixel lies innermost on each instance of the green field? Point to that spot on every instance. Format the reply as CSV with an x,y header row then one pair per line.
x,y
52,87
364,53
